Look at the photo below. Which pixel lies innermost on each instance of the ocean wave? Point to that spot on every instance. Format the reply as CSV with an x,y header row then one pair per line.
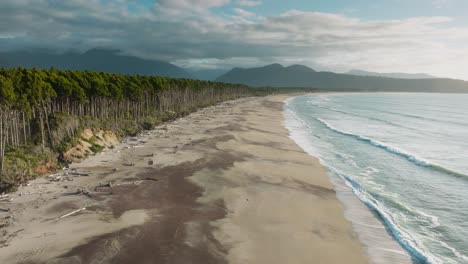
x,y
298,130
413,158
413,246
371,118
423,118
414,243
455,252
394,202
324,97
408,242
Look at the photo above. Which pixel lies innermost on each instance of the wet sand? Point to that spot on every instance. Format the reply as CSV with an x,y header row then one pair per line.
x,y
222,185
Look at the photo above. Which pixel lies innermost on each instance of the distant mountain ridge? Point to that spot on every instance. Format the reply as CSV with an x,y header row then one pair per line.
x,y
95,60
299,76
395,75
206,74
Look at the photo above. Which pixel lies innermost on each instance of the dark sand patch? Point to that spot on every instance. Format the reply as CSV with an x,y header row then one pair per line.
x,y
172,202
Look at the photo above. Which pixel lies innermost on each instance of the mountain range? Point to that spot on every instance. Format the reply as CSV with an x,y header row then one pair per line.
x,y
299,76
206,74
95,60
274,75
392,75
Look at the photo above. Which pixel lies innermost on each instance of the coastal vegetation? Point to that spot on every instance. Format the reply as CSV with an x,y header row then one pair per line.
x,y
43,111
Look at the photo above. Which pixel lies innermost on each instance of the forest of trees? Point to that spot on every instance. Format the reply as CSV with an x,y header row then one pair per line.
x,y
31,99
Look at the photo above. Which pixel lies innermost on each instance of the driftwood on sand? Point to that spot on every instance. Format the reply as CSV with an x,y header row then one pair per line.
x,y
72,213
6,199
79,174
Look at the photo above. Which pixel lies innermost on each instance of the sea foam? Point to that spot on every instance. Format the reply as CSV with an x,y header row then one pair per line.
x,y
416,198
299,131
391,149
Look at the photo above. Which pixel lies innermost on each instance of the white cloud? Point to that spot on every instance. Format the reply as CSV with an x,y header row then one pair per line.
x,y
249,2
190,33
193,3
243,13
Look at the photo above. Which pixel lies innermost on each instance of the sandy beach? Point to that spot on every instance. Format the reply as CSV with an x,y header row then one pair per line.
x,y
222,185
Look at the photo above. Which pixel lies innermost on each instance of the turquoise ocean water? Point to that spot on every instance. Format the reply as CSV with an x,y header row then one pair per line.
x,y
404,155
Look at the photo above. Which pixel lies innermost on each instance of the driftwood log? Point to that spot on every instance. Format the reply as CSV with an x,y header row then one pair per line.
x,y
72,213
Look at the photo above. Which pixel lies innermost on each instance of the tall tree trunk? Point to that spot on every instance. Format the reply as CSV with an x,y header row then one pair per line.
x,y
47,124
41,125
2,146
24,129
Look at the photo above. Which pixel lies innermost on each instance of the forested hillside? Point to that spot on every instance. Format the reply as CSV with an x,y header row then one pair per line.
x,y
42,110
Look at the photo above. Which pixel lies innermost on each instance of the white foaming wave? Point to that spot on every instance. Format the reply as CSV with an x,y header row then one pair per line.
x,y
455,252
371,170
373,118
417,160
298,132
413,244
405,239
413,158
433,219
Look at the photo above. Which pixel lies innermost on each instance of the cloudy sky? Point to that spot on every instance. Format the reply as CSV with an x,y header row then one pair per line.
x,y
378,35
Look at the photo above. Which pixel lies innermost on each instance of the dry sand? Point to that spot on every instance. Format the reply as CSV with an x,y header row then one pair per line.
x,y
222,185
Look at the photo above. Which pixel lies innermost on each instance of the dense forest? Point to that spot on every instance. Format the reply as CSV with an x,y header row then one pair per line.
x,y
34,103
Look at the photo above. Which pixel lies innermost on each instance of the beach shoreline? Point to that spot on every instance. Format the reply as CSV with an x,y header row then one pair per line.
x,y
381,247
225,184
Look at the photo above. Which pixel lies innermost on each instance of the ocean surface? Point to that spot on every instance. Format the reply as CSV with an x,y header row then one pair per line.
x,y
405,155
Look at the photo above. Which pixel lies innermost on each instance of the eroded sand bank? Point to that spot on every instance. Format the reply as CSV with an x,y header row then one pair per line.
x,y
226,185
